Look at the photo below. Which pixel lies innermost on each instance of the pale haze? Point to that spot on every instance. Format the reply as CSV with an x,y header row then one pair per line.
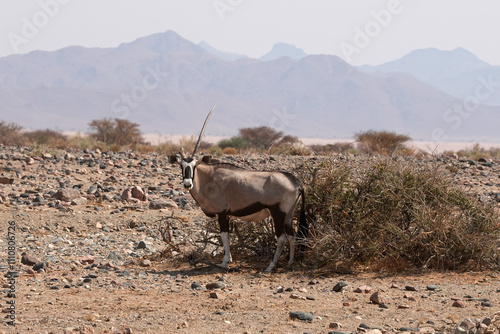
x,y
391,29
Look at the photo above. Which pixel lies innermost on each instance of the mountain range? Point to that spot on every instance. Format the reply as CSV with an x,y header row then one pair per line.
x,y
456,72
167,84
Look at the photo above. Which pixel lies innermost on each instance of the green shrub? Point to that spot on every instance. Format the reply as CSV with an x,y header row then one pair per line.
x,y
235,142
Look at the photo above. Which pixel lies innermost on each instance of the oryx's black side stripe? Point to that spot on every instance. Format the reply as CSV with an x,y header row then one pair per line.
x,y
251,209
276,213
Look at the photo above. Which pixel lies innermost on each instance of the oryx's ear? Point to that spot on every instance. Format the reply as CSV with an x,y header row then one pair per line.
x,y
206,159
174,158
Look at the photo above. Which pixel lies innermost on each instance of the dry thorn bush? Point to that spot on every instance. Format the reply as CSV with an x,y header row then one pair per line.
x,y
397,214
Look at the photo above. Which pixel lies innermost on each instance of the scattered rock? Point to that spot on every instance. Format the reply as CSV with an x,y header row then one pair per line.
x,y
363,289
162,204
377,298
466,326
134,194
297,296
141,245
458,303
409,329
40,266
303,316
216,285
216,295
339,286
146,263
29,260
373,331
87,259
114,256
79,201
335,325
67,194
6,180
197,286
313,282
409,296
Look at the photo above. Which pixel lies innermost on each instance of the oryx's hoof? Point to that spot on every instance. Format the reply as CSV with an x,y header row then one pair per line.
x,y
269,269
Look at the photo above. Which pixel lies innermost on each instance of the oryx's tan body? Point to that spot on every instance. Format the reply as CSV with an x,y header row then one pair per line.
x,y
225,190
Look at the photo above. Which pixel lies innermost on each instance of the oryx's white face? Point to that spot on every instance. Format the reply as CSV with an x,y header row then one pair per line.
x,y
188,165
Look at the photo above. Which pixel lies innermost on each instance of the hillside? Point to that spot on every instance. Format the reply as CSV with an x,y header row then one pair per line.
x,y
167,84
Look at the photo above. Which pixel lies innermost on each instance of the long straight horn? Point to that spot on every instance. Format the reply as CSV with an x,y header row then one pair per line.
x,y
203,130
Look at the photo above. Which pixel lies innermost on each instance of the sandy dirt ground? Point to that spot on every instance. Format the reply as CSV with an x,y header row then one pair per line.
x,y
101,269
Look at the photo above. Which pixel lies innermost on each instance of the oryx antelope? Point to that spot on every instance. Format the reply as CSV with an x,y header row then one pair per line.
x,y
224,190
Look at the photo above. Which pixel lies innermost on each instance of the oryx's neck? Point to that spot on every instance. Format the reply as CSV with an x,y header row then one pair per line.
x,y
202,176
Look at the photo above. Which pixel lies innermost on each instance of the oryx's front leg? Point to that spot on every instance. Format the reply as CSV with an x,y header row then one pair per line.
x,y
224,234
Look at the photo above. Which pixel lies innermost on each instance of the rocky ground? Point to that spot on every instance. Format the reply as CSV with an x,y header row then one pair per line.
x,y
91,259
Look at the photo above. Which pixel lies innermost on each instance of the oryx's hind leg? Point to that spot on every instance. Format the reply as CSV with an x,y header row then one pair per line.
x,y
224,234
284,232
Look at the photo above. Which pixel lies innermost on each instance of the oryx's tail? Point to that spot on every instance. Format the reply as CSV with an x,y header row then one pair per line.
x,y
303,230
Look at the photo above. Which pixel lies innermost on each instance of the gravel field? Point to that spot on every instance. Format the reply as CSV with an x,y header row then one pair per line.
x,y
91,259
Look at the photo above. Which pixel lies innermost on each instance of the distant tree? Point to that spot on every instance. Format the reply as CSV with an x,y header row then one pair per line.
x,y
262,137
11,134
381,142
115,131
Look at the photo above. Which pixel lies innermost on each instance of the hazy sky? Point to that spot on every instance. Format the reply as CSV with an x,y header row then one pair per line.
x,y
360,32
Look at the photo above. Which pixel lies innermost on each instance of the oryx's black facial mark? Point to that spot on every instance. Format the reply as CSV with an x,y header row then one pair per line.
x,y
188,166
188,172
